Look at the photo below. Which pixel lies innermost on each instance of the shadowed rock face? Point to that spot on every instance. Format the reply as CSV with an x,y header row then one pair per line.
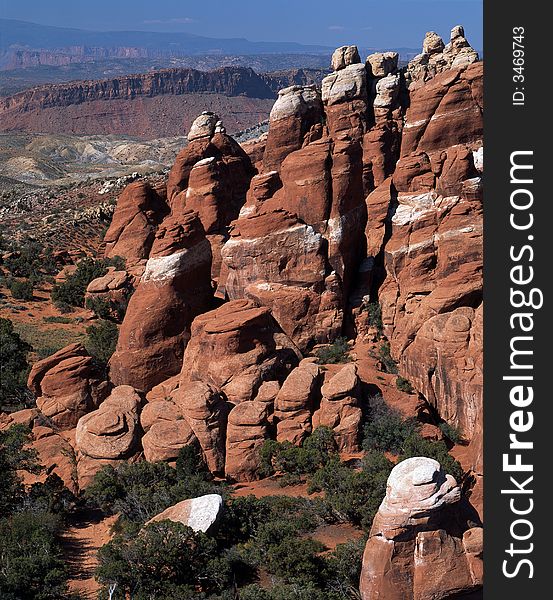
x,y
431,298
296,251
418,546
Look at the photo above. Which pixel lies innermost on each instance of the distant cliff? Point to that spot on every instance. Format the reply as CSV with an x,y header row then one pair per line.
x,y
149,104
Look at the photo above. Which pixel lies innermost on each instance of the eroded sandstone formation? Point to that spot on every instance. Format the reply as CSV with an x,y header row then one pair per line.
x,y
437,57
109,434
140,209
247,430
67,386
340,408
420,545
175,287
367,190
431,298
234,350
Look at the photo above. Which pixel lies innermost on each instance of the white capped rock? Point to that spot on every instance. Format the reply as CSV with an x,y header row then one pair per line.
x,y
387,90
203,126
349,83
381,64
344,56
295,100
457,31
200,514
436,57
416,488
433,43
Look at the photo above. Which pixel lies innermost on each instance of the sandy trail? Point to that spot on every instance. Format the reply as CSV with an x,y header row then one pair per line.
x,y
88,530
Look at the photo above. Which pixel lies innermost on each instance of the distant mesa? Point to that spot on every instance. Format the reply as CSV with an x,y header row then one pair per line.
x,y
155,104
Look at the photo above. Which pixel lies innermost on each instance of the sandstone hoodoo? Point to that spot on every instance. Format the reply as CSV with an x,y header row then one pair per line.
x,y
340,408
247,430
140,209
295,402
437,57
234,350
419,547
175,287
206,412
297,110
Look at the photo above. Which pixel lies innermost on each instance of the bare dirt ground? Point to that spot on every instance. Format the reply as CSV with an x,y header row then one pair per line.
x,y
88,530
335,534
271,487
41,324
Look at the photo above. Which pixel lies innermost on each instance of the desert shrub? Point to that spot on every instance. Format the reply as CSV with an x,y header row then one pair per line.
x,y
33,261
286,592
139,491
295,559
374,316
450,432
32,563
101,340
280,547
294,461
387,363
336,353
30,522
72,291
166,560
342,569
109,309
277,541
50,496
385,429
404,385
64,307
14,367
101,307
415,445
14,457
56,319
261,521
242,517
354,495
21,289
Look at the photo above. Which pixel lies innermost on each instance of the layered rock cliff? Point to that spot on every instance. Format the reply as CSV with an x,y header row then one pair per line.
x,y
126,104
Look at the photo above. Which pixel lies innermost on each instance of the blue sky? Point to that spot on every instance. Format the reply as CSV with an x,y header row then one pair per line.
x,y
372,23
